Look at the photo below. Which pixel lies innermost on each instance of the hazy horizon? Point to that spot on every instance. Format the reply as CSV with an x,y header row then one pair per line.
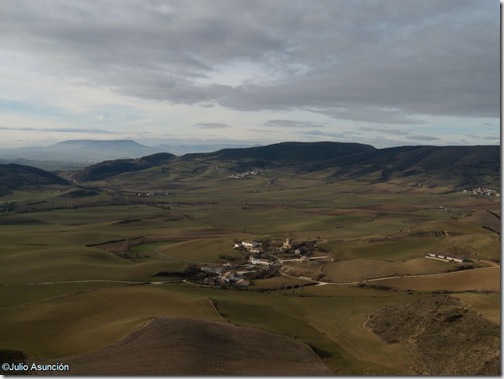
x,y
385,73
188,144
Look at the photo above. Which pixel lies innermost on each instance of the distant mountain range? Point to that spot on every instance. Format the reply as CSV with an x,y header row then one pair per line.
x,y
465,165
355,160
459,165
79,153
86,151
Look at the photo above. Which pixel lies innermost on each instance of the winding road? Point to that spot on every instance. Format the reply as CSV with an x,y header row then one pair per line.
x,y
316,282
320,283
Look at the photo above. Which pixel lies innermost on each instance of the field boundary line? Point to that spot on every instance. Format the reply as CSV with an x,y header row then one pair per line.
x,y
214,306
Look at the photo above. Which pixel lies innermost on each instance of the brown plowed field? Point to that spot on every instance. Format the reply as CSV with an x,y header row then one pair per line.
x,y
487,279
176,346
485,219
362,269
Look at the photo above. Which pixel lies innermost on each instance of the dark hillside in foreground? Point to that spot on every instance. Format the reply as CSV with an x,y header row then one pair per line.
x,y
14,176
175,346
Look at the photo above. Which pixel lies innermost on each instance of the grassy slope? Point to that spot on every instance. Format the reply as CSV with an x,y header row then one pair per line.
x,y
85,322
489,305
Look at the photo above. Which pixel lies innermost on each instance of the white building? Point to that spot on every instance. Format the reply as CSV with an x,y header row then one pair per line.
x,y
446,257
261,262
250,244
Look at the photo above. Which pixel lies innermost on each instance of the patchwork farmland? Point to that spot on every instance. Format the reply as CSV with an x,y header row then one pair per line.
x,y
303,258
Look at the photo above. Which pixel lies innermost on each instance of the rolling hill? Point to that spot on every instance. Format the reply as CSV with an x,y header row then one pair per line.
x,y
176,346
462,166
469,165
14,176
290,152
107,169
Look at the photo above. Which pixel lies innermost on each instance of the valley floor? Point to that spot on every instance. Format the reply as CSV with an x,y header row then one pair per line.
x,y
80,274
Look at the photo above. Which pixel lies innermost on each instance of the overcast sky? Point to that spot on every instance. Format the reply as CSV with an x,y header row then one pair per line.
x,y
382,72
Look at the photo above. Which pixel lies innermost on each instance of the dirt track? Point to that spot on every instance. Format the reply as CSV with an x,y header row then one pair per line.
x,y
485,279
481,279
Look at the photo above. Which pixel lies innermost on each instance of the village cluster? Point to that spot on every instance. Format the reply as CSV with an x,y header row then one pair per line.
x,y
259,260
243,174
482,191
157,193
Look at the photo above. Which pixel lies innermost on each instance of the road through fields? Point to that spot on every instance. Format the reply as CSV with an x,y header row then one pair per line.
x,y
395,279
321,283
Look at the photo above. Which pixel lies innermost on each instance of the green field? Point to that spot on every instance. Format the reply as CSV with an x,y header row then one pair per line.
x,y
77,275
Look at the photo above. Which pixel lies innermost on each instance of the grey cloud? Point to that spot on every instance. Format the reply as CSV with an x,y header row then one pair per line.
x,y
377,61
292,124
162,87
374,115
436,66
386,131
423,138
328,134
213,125
58,130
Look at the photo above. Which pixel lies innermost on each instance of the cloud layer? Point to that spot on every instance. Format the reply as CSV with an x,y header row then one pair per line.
x,y
386,62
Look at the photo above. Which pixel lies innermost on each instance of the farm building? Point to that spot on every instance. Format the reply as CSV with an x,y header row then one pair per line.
x,y
242,283
211,270
250,244
261,262
446,257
